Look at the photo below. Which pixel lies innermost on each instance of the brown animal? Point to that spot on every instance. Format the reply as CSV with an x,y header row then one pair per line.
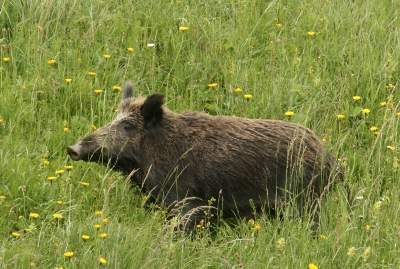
x,y
187,160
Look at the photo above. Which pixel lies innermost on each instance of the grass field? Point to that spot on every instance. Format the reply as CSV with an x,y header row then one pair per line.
x,y
335,64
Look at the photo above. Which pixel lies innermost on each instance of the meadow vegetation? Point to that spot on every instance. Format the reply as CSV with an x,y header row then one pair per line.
x,y
332,66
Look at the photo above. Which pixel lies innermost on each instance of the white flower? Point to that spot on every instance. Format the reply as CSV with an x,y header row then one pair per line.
x,y
150,45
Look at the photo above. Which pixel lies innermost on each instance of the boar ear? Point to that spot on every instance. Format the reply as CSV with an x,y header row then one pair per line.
x,y
151,109
127,90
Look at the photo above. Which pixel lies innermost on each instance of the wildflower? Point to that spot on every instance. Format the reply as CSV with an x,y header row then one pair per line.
x,y
92,74
94,127
51,178
15,234
106,56
150,45
279,25
69,254
2,197
130,49
97,91
312,266
60,172
257,227
356,98
340,116
102,261
98,212
97,226
212,85
51,62
85,237
1,120
103,235
383,103
34,215
312,33
397,114
46,162
367,253
238,90
85,184
183,28
373,128
241,264
281,243
60,202
6,59
367,227
351,252
248,96
32,264
251,222
390,86
69,167
366,111
66,129
57,216
68,80
289,113
116,88
392,148
105,221
324,140
322,236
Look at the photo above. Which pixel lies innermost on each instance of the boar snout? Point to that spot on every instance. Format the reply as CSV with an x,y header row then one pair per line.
x,y
74,152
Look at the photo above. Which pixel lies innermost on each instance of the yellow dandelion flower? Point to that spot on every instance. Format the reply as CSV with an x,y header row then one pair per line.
x,y
279,25
373,128
68,80
392,148
6,59
69,167
60,202
98,213
32,264
46,162
69,254
98,91
324,140
289,113
102,261
65,129
340,116
312,266
212,85
311,33
366,111
106,56
57,216
238,90
183,28
105,221
103,235
94,127
97,226
251,222
383,103
367,227
92,74
60,172
34,215
1,120
397,114
51,178
116,88
51,62
248,96
390,86
2,197
130,49
257,227
85,237
356,98
85,184
16,234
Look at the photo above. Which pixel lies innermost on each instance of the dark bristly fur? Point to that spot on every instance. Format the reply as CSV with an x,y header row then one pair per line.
x,y
245,164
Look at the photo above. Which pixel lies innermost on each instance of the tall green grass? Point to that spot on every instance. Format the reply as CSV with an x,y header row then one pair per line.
x,y
309,57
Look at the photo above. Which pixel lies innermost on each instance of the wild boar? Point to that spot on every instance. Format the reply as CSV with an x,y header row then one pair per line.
x,y
226,166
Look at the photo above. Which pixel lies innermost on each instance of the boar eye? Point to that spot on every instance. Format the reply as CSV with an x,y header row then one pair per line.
x,y
127,127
